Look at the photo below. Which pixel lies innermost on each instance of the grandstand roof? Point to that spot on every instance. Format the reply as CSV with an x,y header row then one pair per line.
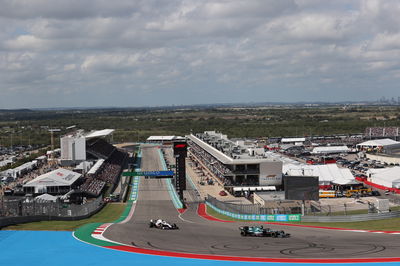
x,y
163,138
378,143
99,133
331,149
58,177
96,166
222,157
293,140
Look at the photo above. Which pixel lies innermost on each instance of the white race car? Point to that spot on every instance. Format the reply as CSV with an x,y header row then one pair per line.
x,y
162,224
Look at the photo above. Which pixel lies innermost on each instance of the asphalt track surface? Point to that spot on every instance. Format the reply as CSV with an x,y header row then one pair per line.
x,y
200,236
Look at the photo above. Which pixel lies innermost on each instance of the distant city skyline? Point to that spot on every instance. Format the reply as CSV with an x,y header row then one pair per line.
x,y
57,53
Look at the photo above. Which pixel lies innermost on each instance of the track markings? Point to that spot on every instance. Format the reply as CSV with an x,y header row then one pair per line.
x,y
100,229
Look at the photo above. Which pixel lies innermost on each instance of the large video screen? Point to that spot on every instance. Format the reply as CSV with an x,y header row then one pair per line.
x,y
301,187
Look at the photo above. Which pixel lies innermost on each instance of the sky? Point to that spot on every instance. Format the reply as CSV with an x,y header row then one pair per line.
x,y
74,53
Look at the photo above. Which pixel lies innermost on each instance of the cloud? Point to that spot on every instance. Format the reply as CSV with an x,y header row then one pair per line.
x,y
67,10
146,51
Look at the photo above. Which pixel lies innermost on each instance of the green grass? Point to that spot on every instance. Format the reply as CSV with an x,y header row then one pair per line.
x,y
392,224
109,213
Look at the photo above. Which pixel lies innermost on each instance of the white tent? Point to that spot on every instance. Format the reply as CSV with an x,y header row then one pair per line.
x,y
388,177
377,143
330,149
46,198
293,140
58,178
327,173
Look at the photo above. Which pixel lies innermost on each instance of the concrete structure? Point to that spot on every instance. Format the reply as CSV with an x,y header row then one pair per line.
x,y
234,165
262,198
74,145
384,158
73,148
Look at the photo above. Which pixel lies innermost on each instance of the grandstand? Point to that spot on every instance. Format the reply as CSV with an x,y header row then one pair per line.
x,y
106,171
382,132
92,186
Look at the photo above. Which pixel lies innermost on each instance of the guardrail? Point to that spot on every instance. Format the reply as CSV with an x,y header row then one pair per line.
x,y
254,212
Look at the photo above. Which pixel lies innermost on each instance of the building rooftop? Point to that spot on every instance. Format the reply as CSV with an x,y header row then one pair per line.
x,y
99,133
225,150
164,138
58,177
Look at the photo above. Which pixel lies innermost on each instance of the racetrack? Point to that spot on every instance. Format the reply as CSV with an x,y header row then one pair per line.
x,y
201,236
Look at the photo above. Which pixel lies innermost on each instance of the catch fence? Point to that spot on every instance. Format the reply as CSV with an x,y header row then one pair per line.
x,y
19,208
307,209
253,208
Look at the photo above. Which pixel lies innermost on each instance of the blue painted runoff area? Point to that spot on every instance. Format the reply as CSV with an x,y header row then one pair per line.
x,y
38,248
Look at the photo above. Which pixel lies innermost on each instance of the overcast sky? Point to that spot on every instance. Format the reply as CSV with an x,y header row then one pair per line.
x,y
61,53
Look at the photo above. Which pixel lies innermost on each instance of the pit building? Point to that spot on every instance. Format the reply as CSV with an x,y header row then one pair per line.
x,y
235,165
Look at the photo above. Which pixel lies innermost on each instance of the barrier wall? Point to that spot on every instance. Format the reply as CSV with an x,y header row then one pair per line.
x,y
227,210
6,221
351,218
258,217
382,158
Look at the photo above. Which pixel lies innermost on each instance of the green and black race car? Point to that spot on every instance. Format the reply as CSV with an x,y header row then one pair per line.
x,y
261,231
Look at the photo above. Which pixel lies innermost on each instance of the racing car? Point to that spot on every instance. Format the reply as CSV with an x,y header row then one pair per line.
x,y
261,231
162,224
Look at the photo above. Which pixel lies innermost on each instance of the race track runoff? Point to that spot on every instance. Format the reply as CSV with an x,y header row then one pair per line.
x,y
200,236
197,235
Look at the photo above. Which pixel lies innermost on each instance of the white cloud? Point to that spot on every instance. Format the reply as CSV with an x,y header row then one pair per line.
x,y
151,49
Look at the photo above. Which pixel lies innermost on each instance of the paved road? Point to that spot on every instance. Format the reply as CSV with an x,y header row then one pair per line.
x,y
197,235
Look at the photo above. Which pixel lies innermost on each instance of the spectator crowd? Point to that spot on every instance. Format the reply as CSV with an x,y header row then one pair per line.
x,y
382,132
107,174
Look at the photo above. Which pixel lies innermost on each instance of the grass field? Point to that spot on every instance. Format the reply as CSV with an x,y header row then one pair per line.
x,y
109,213
392,224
